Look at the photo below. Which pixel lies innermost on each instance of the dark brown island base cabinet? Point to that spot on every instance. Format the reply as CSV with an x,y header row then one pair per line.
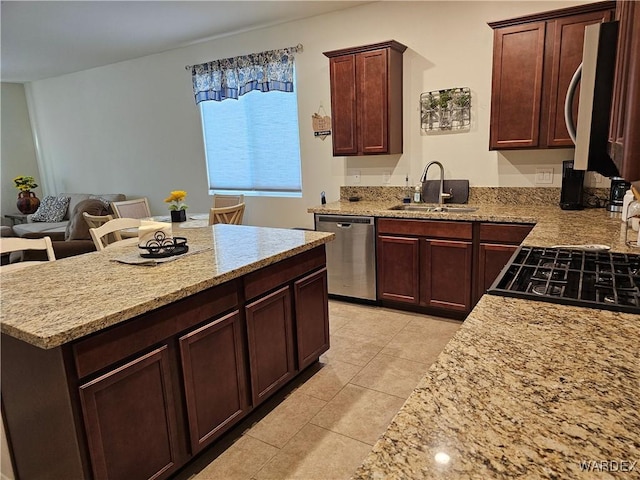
x,y
441,267
140,399
366,99
534,59
624,137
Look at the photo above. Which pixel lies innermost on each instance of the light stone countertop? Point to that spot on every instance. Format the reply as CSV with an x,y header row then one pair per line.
x,y
554,226
53,303
524,389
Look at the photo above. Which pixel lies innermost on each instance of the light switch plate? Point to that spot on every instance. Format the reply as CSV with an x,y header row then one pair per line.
x,y
544,176
355,176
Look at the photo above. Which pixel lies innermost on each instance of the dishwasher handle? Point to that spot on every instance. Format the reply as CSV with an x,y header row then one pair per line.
x,y
344,219
344,225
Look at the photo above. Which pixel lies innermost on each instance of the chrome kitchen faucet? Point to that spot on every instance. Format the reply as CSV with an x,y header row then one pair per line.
x,y
441,196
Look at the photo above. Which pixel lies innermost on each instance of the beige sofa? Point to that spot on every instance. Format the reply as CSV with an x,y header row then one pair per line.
x,y
58,229
70,236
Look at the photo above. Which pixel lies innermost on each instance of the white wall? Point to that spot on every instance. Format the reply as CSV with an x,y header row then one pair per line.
x,y
133,127
18,155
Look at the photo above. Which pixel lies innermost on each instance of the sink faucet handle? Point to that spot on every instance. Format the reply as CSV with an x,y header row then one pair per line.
x,y
448,196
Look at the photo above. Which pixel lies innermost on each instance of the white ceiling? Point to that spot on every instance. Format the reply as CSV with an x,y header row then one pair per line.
x,y
43,39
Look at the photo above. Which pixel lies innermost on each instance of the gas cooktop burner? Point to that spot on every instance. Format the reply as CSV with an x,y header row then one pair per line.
x,y
604,280
542,289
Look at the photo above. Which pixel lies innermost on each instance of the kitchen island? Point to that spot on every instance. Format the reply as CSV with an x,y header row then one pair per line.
x,y
111,370
525,389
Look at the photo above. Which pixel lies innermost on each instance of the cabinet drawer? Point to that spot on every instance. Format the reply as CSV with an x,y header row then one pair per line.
x,y
122,341
503,232
267,278
426,228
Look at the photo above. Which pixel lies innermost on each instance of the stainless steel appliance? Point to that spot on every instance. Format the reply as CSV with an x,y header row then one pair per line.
x,y
619,187
595,75
351,257
596,279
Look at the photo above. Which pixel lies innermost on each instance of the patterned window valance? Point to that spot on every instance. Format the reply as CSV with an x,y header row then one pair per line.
x,y
233,77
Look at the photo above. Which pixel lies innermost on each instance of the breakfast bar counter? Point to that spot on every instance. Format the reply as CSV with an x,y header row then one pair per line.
x,y
57,302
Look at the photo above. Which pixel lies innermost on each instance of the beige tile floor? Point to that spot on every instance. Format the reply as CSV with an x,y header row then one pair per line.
x,y
324,424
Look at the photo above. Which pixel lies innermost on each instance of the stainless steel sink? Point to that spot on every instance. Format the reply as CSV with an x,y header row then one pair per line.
x,y
431,208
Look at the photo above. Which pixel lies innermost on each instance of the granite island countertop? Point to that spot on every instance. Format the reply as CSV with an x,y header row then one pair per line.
x,y
54,303
525,389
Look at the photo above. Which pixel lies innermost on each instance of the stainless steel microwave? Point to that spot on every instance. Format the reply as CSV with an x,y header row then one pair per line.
x,y
595,76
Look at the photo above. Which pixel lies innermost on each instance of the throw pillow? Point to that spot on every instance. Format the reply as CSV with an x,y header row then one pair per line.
x,y
77,228
51,209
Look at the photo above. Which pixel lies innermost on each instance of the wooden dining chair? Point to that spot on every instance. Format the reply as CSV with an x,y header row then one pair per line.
x,y
232,215
220,200
17,244
114,228
95,221
137,208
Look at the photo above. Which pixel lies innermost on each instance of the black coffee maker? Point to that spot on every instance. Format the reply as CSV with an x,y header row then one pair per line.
x,y
619,187
572,185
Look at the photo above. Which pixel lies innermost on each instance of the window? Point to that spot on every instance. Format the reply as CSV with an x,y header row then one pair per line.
x,y
252,144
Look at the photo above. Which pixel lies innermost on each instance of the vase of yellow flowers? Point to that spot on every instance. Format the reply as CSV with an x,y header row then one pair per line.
x,y
27,201
177,207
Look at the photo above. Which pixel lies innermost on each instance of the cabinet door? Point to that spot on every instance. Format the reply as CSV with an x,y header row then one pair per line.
x,y
446,274
312,317
215,381
518,54
398,268
565,49
343,105
491,259
624,14
270,336
129,419
372,100
624,141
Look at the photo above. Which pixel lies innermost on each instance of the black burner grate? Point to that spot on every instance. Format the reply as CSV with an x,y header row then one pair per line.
x,y
604,280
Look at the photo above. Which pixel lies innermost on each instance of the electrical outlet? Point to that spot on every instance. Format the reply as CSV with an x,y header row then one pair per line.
x,y
386,178
356,177
544,176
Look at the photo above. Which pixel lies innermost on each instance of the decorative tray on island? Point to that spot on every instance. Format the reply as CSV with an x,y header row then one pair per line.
x,y
162,248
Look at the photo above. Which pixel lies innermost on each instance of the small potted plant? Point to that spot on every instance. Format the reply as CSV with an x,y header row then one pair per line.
x,y
177,207
27,200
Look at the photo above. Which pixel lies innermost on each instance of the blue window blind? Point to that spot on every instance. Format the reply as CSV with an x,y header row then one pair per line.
x,y
252,144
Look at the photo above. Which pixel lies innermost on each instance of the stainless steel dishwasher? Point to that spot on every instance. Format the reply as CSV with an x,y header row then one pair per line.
x,y
351,257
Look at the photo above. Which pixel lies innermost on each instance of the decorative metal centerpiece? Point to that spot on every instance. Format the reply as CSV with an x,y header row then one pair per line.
x,y
446,109
161,246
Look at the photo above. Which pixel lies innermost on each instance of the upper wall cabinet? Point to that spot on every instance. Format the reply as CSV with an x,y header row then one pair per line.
x,y
534,58
366,99
624,141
